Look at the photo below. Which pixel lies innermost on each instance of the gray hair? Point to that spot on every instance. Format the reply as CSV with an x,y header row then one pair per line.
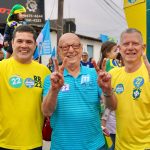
x,y
131,30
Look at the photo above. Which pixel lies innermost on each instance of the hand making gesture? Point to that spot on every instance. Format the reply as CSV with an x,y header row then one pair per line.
x,y
57,79
146,62
104,78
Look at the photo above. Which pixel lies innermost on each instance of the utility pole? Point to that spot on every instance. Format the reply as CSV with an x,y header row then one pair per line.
x,y
60,19
60,23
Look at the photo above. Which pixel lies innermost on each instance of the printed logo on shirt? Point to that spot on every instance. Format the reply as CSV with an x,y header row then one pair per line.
x,y
119,88
85,79
15,81
29,83
37,81
65,88
136,93
138,82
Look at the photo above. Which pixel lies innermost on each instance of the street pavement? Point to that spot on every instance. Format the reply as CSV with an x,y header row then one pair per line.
x,y
46,145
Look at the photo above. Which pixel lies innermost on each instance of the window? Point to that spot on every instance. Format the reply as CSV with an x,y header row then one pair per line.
x,y
90,50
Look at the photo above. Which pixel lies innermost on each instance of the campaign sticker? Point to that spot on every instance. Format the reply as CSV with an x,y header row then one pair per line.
x,y
29,83
138,82
85,79
15,81
119,88
65,88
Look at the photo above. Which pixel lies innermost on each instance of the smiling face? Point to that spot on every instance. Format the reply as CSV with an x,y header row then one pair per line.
x,y
131,47
69,46
23,47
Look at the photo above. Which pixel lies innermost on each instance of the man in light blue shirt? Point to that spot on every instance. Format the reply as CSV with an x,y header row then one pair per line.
x,y
72,99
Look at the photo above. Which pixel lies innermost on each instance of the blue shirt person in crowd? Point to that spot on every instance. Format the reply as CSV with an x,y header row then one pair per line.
x,y
72,99
85,61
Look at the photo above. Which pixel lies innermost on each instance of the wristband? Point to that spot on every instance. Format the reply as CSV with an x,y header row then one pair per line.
x,y
108,95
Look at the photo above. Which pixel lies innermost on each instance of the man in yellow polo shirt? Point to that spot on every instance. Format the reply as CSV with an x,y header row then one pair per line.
x,y
130,95
21,85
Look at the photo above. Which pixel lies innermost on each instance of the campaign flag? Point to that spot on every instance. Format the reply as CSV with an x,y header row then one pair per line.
x,y
43,42
53,55
103,37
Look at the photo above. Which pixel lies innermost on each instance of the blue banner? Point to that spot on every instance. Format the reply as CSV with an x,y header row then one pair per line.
x,y
43,42
105,38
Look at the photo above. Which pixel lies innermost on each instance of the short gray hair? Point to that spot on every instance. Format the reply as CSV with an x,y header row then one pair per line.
x,y
131,30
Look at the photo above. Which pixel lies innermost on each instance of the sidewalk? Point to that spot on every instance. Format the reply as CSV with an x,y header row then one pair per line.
x,y
46,145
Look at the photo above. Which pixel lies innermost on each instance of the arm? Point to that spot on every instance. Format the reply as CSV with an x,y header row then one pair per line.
x,y
104,81
147,64
57,81
49,102
110,100
7,35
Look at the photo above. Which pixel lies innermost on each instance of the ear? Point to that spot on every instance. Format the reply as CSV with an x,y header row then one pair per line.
x,y
12,43
144,48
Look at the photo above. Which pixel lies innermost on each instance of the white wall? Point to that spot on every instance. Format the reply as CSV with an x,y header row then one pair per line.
x,y
96,46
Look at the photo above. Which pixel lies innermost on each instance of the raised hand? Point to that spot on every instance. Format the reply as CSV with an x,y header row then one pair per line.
x,y
104,78
95,66
57,79
146,62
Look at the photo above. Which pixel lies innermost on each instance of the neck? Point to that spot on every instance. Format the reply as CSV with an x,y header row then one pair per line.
x,y
132,67
73,70
85,61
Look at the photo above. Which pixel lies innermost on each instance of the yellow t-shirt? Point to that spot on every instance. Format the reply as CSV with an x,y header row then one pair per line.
x,y
133,111
21,118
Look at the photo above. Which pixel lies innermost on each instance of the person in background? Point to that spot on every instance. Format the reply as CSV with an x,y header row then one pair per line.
x,y
85,61
72,98
91,64
1,46
50,65
109,50
1,55
21,118
14,19
130,94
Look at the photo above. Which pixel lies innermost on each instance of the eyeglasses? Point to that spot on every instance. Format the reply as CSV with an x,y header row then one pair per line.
x,y
74,46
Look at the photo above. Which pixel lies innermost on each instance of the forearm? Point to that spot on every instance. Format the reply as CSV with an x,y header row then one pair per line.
x,y
103,122
110,100
49,102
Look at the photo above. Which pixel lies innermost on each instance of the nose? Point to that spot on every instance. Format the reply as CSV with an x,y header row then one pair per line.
x,y
24,44
130,46
70,48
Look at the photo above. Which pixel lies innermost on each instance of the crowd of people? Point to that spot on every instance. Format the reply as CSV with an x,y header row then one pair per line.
x,y
71,93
